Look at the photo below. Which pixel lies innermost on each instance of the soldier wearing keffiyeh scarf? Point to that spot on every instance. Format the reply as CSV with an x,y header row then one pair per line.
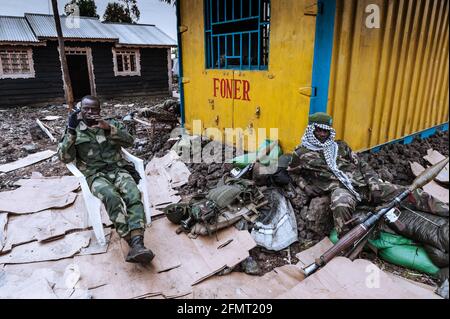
x,y
331,168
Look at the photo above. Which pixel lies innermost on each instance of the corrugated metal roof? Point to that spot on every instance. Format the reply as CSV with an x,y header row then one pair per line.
x,y
42,26
139,34
90,28
15,29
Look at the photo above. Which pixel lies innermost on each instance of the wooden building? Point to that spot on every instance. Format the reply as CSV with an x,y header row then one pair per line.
x,y
104,59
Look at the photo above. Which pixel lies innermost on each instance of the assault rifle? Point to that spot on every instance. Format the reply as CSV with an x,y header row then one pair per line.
x,y
358,233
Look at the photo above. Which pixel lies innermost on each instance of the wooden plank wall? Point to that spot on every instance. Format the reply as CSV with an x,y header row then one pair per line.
x,y
47,86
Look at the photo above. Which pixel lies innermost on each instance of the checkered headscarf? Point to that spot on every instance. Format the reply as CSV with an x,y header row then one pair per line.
x,y
330,151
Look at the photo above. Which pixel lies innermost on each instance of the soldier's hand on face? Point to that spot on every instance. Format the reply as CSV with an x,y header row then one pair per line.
x,y
73,121
103,125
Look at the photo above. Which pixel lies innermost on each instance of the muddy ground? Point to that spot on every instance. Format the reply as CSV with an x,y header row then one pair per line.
x,y
20,137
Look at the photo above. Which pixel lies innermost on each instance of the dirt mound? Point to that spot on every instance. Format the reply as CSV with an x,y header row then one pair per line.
x,y
392,161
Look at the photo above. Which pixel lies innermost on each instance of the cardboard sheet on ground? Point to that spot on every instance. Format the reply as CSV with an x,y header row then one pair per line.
x,y
65,247
434,157
109,276
238,285
58,184
16,287
26,161
48,280
179,263
176,170
3,222
206,254
164,174
343,279
432,187
37,194
308,256
160,192
48,224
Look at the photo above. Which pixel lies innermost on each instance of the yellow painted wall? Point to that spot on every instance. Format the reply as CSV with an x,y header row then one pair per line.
x,y
385,83
389,82
275,91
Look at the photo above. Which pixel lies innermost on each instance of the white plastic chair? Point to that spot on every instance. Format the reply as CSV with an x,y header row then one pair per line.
x,y
93,204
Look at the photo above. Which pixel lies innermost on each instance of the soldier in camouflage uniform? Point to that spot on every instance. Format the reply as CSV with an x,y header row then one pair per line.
x,y
332,168
95,145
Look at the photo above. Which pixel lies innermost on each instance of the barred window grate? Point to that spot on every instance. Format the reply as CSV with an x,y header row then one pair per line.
x,y
237,34
16,63
126,62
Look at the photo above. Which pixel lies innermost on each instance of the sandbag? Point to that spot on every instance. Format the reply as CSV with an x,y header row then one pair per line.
x,y
438,257
442,275
425,228
400,251
412,257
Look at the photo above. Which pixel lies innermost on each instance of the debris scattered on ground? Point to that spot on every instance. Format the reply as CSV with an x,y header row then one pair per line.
x,y
277,228
341,278
35,251
179,263
51,118
164,175
392,161
432,187
47,224
27,161
18,128
46,131
434,157
23,137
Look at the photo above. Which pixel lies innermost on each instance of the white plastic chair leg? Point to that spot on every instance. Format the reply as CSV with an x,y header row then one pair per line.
x,y
143,184
93,205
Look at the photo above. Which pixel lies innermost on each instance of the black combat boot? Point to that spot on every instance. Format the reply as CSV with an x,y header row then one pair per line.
x,y
138,253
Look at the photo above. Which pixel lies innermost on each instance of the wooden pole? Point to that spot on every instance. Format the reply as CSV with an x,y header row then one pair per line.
x,y
68,93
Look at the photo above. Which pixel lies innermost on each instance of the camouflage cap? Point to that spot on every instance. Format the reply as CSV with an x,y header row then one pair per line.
x,y
321,118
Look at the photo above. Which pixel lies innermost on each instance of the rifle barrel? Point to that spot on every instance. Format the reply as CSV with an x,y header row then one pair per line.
x,y
362,229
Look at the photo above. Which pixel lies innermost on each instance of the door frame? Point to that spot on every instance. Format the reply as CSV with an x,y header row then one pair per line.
x,y
86,51
323,51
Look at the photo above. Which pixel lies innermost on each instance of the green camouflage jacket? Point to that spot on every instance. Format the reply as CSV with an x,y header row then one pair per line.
x,y
311,165
94,149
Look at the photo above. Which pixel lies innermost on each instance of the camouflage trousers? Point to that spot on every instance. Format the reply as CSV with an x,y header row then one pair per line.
x,y
343,203
122,199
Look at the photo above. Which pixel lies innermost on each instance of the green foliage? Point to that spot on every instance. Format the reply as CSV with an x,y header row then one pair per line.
x,y
174,2
115,12
87,8
125,11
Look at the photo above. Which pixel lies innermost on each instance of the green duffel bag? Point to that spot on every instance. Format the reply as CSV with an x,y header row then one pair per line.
x,y
400,251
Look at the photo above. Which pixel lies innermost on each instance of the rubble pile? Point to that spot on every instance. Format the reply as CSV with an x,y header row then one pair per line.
x,y
392,161
154,137
204,176
22,136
